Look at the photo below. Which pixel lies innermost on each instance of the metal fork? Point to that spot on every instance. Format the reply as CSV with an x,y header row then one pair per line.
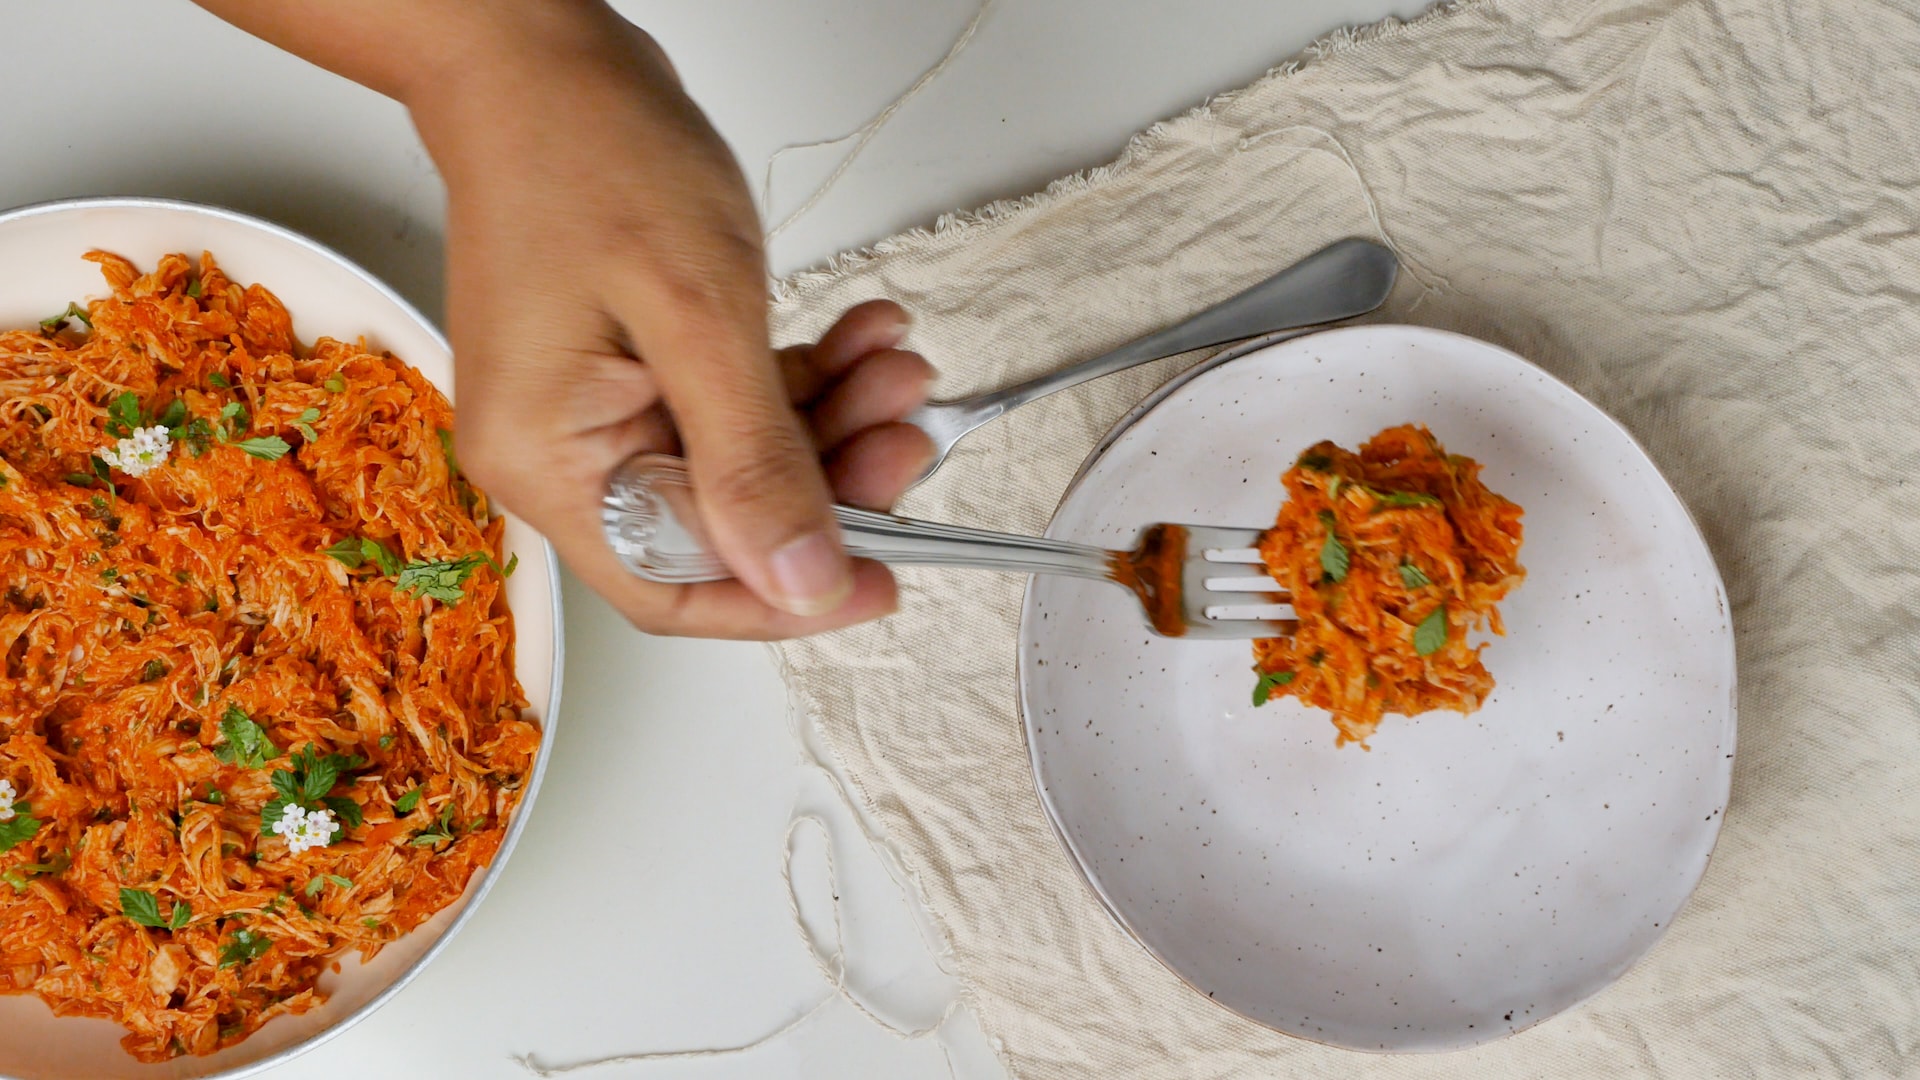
x,y
1191,580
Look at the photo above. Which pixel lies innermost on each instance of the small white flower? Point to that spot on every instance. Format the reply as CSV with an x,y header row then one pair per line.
x,y
147,448
7,797
304,829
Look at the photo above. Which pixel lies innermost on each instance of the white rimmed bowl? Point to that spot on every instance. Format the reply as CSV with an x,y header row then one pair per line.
x,y
40,271
1468,876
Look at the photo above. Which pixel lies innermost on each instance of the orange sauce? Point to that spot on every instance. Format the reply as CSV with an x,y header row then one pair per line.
x,y
1152,571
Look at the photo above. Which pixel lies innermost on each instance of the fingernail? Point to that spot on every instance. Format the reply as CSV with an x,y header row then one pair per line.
x,y
897,330
927,459
811,575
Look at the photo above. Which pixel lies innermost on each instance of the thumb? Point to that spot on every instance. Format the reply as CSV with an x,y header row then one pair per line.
x,y
762,495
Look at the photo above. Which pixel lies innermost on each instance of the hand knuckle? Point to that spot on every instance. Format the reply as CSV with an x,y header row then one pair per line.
x,y
702,268
484,462
777,472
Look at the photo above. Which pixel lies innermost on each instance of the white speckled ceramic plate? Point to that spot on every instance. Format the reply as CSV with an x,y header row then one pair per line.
x,y
1469,875
40,271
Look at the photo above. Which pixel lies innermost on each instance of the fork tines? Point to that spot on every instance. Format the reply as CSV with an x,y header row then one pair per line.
x,y
1220,598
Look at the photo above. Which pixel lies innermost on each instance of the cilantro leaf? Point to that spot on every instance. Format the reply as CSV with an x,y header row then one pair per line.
x,y
245,946
312,776
307,415
1413,577
388,563
335,384
182,914
174,415
348,551
386,742
441,831
321,881
439,579
196,433
194,288
19,875
153,669
1269,682
346,810
1316,462
74,311
123,415
246,743
1431,635
1405,498
405,803
1334,559
446,448
288,784
513,563
318,773
102,474
19,828
218,381
271,813
141,907
266,447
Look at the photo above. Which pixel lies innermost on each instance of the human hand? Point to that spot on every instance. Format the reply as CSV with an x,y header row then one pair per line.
x,y
853,388
594,217
607,295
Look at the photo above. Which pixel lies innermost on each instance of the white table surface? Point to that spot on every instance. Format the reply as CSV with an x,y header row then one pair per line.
x,y
644,909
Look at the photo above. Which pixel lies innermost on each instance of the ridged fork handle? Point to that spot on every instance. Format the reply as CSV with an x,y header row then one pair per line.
x,y
651,520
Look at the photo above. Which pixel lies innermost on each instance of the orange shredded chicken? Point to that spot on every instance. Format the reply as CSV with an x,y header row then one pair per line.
x,y
1392,555
188,647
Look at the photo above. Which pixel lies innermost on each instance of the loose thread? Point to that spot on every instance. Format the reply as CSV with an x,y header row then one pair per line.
x,y
527,1061
831,964
864,133
1429,282
811,756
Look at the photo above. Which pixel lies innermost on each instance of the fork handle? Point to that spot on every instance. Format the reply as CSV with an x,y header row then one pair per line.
x,y
650,518
900,541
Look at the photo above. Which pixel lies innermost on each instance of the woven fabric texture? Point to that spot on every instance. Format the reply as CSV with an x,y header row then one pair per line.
x,y
1705,216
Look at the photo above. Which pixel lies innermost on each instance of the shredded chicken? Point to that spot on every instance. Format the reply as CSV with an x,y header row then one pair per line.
x,y
184,646
1392,555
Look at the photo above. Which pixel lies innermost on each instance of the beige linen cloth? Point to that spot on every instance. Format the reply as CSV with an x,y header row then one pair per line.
x,y
1703,215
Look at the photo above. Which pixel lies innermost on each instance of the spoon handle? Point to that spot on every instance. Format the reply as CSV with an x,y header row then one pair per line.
x,y
1347,278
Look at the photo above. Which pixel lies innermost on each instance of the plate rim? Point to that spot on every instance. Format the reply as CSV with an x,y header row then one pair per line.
x,y
523,812
1259,345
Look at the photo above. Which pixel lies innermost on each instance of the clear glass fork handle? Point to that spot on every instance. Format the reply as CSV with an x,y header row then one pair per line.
x,y
652,520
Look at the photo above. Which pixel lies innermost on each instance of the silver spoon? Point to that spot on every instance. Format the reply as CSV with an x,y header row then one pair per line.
x,y
1344,279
